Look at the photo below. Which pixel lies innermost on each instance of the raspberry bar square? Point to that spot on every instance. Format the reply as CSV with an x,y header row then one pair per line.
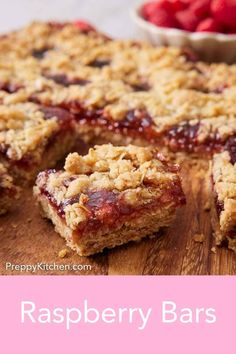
x,y
224,187
8,191
110,196
31,137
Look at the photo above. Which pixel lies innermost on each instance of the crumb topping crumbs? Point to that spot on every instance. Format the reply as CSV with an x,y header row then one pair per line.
x,y
62,253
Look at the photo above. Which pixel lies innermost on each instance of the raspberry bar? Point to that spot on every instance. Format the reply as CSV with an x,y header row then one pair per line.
x,y
30,137
224,186
8,191
110,196
183,120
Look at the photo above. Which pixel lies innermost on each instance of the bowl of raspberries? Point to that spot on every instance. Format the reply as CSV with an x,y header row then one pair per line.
x,y
206,26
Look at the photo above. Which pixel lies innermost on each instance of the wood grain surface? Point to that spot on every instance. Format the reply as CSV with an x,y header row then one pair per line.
x,y
26,238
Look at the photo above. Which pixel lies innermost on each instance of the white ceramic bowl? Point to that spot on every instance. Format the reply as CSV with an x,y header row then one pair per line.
x,y
210,46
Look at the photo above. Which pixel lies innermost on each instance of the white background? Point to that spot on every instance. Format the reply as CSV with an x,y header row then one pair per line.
x,y
111,16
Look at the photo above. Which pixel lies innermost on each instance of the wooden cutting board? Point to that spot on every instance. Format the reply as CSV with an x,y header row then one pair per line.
x,y
26,238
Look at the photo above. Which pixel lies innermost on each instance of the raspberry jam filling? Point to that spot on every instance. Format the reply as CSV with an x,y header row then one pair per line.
x,y
190,56
219,89
136,123
63,80
231,147
106,207
10,87
184,137
100,63
64,117
139,124
219,205
216,90
142,86
40,53
84,26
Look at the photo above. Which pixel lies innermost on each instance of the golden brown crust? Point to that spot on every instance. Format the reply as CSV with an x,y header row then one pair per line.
x,y
224,184
146,224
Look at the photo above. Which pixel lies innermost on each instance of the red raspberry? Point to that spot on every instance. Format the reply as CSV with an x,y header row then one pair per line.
x,y
151,8
209,25
163,18
230,31
187,20
187,3
148,9
201,8
177,5
224,11
84,26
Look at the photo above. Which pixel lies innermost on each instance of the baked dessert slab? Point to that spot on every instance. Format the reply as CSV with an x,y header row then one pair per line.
x,y
110,196
224,203
8,191
121,91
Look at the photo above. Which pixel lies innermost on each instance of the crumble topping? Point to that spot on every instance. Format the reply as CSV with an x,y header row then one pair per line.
x,y
65,48
224,179
47,47
23,127
109,167
93,95
132,175
181,105
220,76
